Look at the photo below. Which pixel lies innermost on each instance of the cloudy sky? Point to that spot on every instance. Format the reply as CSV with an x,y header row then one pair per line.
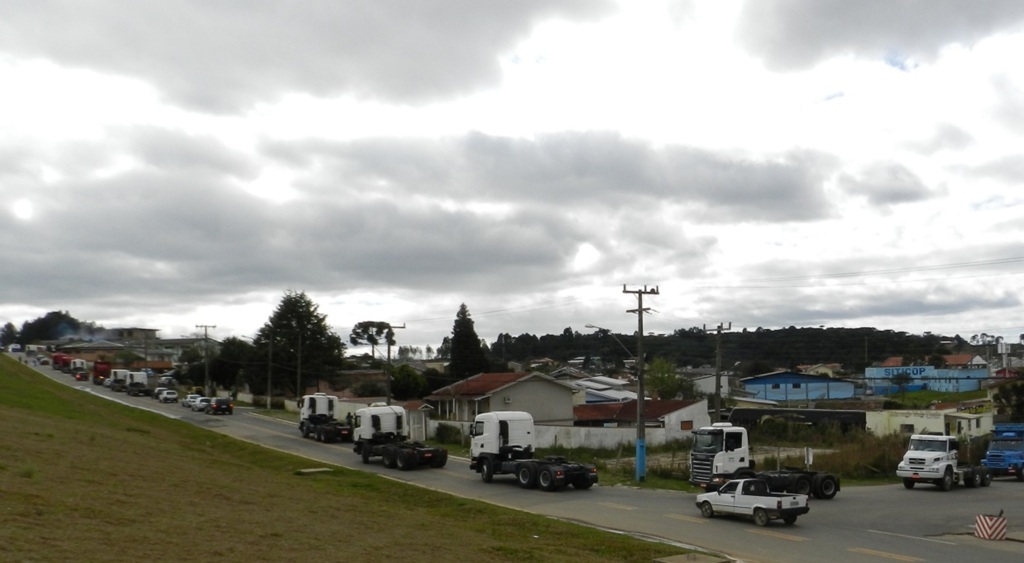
x,y
774,163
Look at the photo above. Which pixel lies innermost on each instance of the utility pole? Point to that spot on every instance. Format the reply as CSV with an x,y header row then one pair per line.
x,y
718,368
641,434
270,363
298,372
387,376
206,357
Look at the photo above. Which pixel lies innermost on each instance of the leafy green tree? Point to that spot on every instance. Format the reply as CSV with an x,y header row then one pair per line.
x,y
435,379
303,345
661,378
408,384
233,365
1009,400
9,334
467,354
54,326
444,351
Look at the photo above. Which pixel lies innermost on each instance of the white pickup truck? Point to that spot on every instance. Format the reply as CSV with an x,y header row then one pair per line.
x,y
751,497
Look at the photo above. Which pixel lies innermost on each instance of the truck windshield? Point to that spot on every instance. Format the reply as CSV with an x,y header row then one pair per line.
x,y
927,446
707,443
1007,445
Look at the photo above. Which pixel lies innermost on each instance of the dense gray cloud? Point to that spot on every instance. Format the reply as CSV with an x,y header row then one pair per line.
x,y
226,56
575,171
797,34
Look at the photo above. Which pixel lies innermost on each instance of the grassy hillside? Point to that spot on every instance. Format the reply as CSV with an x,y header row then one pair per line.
x,y
85,479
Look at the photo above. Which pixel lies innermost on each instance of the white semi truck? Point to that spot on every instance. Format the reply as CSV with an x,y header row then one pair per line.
x,y
380,432
503,443
721,452
321,418
934,458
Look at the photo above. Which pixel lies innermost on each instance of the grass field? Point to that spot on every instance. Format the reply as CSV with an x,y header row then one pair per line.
x,y
85,479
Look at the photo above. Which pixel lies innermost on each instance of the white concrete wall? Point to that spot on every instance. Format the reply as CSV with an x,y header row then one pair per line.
x,y
583,436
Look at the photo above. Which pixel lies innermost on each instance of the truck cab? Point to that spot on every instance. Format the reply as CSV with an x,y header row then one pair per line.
x,y
934,458
386,420
501,432
1005,455
720,452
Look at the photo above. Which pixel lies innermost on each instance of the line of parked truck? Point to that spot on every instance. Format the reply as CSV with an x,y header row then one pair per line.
x,y
502,442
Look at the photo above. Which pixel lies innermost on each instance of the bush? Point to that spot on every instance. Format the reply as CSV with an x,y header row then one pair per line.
x,y
448,434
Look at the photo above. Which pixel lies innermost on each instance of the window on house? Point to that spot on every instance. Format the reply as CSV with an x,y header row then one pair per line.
x,y
775,386
686,425
796,386
906,428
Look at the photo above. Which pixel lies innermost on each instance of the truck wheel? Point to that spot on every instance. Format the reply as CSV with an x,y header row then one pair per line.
x,y
366,454
826,487
1019,473
706,510
908,483
546,480
406,459
486,470
440,459
946,483
789,519
986,479
582,482
390,457
527,475
973,480
802,486
760,517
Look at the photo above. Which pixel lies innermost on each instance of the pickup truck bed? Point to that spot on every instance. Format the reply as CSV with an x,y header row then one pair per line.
x,y
751,497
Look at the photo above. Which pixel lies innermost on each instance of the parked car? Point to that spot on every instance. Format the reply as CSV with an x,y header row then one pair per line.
x,y
220,405
189,399
80,375
169,396
157,391
200,404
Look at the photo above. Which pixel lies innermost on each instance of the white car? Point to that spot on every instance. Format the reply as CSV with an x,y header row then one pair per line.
x,y
201,403
169,396
187,402
157,392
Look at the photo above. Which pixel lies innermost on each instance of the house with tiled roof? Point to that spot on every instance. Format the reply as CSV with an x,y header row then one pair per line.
x,y
549,401
675,415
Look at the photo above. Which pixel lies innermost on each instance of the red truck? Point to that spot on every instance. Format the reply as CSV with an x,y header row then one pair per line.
x,y
100,372
61,361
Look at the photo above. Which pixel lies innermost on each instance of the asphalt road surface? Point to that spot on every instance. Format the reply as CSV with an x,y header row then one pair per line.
x,y
862,524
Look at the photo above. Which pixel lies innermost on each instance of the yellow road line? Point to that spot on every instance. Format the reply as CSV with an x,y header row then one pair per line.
x,y
885,554
779,535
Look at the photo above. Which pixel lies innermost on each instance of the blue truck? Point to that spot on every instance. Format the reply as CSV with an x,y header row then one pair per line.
x,y
1005,455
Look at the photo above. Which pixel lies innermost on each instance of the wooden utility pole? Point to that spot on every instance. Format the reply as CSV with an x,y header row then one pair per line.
x,y
641,434
718,368
206,357
387,376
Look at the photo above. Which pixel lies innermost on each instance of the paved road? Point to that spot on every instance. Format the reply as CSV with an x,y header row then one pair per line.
x,y
878,523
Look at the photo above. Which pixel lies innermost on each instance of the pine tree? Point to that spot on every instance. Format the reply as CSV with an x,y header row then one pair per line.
x,y
302,340
467,355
